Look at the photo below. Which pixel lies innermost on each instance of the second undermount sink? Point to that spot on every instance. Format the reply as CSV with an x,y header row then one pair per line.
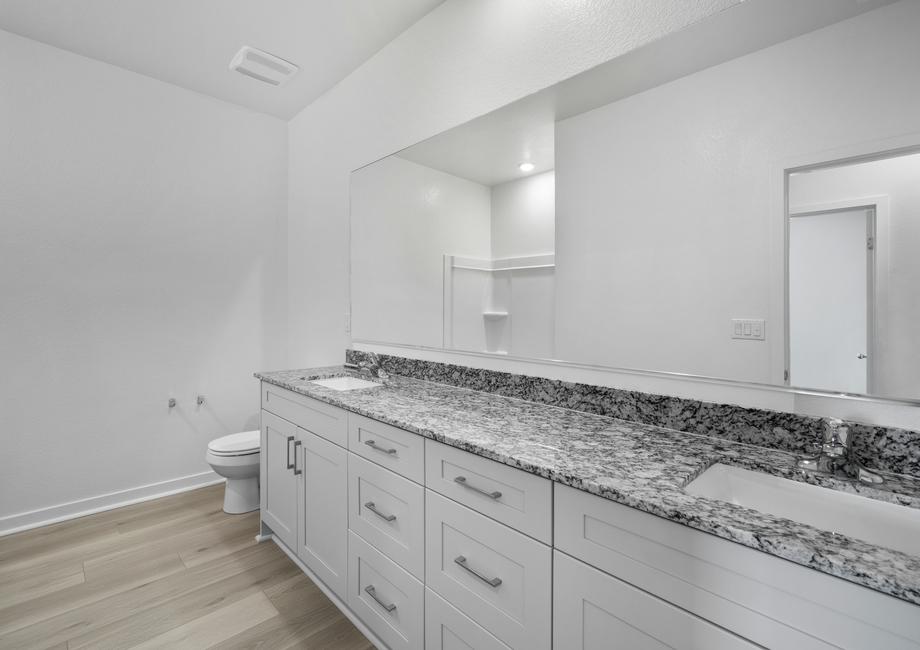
x,y
346,383
877,522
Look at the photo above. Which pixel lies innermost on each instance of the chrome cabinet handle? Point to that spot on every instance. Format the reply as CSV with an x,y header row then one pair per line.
x,y
492,582
462,481
862,355
296,445
369,589
289,464
373,445
370,506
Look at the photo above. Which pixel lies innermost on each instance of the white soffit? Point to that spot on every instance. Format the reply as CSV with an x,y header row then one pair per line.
x,y
488,149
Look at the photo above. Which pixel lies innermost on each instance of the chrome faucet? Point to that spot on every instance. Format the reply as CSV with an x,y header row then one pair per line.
x,y
369,365
835,455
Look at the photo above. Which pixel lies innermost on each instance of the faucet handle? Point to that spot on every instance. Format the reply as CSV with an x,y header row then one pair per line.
x,y
836,437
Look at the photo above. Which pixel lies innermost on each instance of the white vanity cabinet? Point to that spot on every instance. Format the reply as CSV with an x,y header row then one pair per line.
x,y
304,484
429,547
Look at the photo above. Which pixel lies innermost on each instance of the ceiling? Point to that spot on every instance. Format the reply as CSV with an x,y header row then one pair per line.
x,y
189,43
487,150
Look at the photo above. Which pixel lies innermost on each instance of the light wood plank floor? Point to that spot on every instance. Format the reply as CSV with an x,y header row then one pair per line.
x,y
172,573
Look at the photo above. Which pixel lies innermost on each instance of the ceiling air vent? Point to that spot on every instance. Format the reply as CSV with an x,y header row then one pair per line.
x,y
262,66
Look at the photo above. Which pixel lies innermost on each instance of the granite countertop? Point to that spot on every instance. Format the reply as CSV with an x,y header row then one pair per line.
x,y
638,465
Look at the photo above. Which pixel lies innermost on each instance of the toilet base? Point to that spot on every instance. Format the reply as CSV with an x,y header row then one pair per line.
x,y
241,495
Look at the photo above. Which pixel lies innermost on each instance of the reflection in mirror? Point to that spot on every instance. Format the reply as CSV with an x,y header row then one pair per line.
x,y
652,232
464,226
854,276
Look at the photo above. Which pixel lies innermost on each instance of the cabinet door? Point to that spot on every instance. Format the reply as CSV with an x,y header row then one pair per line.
x,y
279,485
595,611
323,539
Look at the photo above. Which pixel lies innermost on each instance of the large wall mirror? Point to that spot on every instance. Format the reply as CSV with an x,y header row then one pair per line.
x,y
740,200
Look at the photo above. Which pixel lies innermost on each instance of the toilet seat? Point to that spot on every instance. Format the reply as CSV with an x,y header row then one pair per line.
x,y
236,444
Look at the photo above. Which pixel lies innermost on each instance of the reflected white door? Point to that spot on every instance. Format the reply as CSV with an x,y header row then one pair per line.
x,y
829,299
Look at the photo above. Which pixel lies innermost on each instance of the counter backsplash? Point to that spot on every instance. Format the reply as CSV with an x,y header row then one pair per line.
x,y
884,448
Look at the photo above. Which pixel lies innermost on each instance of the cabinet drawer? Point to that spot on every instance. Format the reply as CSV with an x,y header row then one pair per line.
x,y
388,511
514,497
389,601
325,421
595,611
447,628
493,574
396,449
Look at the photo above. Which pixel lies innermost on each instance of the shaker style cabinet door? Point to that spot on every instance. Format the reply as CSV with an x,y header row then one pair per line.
x,y
323,470
278,481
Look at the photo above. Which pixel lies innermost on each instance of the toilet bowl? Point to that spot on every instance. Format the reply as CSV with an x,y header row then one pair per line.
x,y
236,458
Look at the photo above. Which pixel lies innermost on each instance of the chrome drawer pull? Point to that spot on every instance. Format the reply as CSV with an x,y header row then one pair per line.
x,y
492,582
296,445
370,506
492,495
289,441
369,589
374,445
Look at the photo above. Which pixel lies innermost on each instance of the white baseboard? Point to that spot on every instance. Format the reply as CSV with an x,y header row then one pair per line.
x,y
82,507
338,602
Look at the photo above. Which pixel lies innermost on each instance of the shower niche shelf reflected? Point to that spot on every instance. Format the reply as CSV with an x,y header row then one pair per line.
x,y
500,306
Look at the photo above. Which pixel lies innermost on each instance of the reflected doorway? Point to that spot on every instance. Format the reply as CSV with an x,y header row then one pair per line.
x,y
832,298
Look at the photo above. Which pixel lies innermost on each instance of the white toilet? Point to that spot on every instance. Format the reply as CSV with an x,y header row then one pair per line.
x,y
236,457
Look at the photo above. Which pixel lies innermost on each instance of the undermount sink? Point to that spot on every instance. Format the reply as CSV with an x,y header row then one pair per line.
x,y
346,383
877,522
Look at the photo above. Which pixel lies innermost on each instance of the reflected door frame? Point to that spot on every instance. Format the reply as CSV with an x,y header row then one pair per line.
x,y
872,207
779,171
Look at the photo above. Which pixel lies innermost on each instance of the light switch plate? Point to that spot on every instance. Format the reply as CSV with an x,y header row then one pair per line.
x,y
751,329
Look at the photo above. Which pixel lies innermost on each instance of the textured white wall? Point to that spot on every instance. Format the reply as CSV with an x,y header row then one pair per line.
x,y
665,199
141,256
464,59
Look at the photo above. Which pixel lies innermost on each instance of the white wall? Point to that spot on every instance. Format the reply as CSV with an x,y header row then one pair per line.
x,y
664,199
462,60
524,216
898,270
405,218
523,223
141,257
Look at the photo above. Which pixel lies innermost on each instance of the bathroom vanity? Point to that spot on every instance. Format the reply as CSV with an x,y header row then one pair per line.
x,y
440,517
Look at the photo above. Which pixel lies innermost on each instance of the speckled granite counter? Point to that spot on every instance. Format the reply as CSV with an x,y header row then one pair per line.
x,y
638,465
